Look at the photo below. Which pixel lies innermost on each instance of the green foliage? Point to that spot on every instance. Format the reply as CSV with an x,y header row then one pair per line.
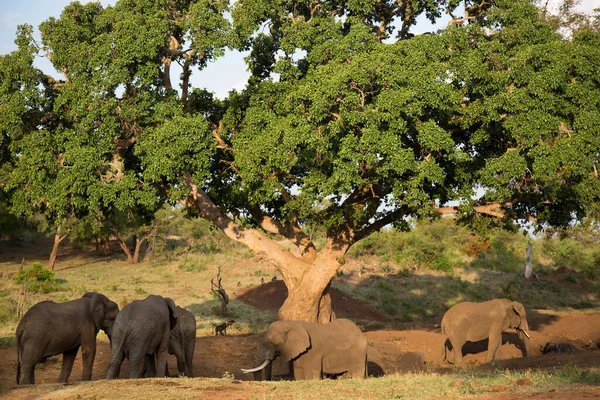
x,y
428,245
38,279
190,265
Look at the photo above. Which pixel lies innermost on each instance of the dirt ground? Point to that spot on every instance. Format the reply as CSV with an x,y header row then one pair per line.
x,y
407,347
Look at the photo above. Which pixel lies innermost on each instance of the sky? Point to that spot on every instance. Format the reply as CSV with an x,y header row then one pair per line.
x,y
227,73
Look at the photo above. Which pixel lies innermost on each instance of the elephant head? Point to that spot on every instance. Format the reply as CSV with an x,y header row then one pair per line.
x,y
516,319
103,311
284,339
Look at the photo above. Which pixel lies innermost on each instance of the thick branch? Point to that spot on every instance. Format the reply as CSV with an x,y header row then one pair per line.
x,y
221,144
493,209
123,245
289,231
380,223
254,239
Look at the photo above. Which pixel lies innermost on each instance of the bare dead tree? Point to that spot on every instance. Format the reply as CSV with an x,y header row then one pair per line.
x,y
220,292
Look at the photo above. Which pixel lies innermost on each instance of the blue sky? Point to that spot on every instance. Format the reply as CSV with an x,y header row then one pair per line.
x,y
220,77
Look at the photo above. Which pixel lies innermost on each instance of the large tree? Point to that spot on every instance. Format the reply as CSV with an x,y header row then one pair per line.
x,y
337,126
377,132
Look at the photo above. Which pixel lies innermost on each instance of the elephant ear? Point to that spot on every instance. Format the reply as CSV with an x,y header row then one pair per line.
x,y
172,312
519,309
297,341
97,308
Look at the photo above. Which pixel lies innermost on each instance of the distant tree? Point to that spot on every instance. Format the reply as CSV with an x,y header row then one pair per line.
x,y
566,18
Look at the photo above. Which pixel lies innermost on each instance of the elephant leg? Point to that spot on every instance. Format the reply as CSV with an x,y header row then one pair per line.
x,y
161,356
457,352
161,361
136,364
308,369
494,341
67,364
31,354
149,369
189,357
359,369
114,368
88,352
27,373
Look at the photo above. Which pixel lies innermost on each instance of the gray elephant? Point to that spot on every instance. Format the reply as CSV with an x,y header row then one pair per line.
x,y
314,350
49,328
142,330
182,343
477,321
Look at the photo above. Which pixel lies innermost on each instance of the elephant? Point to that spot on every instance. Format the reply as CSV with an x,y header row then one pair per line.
x,y
313,350
141,333
477,321
50,328
182,343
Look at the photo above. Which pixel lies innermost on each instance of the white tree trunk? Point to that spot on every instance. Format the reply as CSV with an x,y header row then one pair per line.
x,y
528,260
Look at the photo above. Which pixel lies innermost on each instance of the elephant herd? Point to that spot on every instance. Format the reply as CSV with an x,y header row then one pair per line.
x,y
143,331
146,330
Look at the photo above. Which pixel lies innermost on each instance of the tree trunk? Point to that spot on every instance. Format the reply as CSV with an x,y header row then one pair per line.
x,y
139,243
136,253
528,260
106,246
57,239
307,277
309,299
125,248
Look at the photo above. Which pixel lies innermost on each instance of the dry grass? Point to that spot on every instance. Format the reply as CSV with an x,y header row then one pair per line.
x,y
407,386
188,286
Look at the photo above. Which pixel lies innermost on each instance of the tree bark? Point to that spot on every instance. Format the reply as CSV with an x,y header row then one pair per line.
x,y
528,260
57,239
124,247
138,244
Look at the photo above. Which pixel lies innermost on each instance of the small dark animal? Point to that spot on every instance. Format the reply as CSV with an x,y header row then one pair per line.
x,y
558,348
221,329
274,279
239,284
262,281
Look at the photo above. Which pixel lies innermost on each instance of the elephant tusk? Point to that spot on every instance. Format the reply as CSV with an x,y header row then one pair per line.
x,y
247,371
525,332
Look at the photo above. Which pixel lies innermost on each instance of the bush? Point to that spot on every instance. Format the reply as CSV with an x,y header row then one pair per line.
x,y
191,266
38,279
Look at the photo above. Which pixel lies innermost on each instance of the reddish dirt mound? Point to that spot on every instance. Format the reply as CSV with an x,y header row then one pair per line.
x,y
270,296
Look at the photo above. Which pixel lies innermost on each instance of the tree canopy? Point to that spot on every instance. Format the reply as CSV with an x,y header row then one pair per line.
x,y
348,121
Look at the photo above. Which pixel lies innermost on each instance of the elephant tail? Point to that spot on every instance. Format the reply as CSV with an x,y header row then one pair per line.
x,y
444,348
18,341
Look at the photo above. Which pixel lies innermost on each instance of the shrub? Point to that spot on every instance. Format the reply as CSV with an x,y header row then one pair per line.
x,y
38,279
191,266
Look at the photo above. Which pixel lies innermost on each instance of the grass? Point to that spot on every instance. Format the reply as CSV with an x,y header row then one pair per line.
x,y
407,386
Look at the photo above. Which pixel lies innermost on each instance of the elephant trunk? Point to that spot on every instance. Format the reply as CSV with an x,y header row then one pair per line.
x,y
264,356
524,335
